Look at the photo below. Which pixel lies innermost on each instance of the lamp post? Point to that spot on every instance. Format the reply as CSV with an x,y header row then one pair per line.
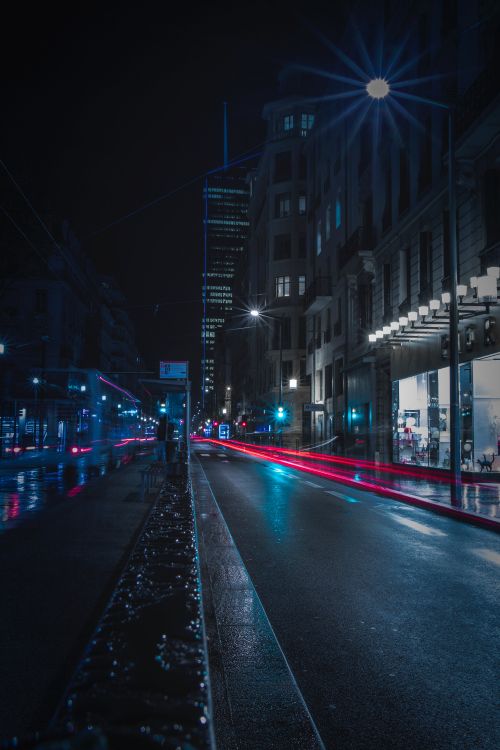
x,y
379,88
257,314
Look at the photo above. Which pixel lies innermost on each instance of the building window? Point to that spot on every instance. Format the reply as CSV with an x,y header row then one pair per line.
x,y
282,207
302,167
365,306
318,237
302,246
286,371
306,121
387,291
288,122
328,222
302,286
425,265
282,286
404,276
301,343
282,247
339,376
302,204
338,212
319,384
328,381
337,326
283,166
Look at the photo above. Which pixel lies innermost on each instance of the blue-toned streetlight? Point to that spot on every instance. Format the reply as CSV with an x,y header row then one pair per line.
x,y
379,88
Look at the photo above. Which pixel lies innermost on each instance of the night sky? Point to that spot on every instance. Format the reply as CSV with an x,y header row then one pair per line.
x,y
107,107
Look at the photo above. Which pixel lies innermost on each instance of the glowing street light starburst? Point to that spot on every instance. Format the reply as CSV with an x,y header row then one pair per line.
x,y
378,88
383,81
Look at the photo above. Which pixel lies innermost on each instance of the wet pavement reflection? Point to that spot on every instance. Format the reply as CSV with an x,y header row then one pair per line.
x,y
479,497
29,490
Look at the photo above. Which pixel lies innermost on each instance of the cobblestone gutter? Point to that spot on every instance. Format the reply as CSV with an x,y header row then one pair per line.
x,y
143,680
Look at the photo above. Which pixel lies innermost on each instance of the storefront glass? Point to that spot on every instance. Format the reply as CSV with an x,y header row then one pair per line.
x,y
421,417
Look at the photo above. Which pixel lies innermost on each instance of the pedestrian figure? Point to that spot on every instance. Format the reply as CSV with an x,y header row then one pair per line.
x,y
161,437
170,442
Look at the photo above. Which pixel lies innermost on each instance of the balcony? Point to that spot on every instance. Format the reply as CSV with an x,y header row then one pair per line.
x,y
318,295
359,241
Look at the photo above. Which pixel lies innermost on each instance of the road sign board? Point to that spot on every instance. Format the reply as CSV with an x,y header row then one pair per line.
x,y
314,407
174,370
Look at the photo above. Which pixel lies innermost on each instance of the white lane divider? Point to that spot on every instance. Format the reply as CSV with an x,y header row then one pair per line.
x,y
311,484
421,527
488,554
207,455
342,497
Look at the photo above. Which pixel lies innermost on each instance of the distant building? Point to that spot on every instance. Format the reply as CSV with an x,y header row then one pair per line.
x,y
277,273
225,204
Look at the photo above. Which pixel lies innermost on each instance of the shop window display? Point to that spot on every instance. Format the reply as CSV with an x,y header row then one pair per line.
x,y
421,417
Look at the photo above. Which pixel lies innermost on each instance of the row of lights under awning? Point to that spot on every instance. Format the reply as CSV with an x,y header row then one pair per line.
x,y
484,294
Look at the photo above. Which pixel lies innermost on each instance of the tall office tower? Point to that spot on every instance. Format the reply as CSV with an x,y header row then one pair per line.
x,y
225,198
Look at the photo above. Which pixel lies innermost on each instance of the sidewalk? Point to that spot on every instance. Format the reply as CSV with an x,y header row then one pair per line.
x,y
256,701
57,572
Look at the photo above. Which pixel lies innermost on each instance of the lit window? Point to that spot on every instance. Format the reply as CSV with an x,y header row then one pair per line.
x,y
288,122
338,212
328,222
302,286
283,205
306,121
282,284
302,205
318,238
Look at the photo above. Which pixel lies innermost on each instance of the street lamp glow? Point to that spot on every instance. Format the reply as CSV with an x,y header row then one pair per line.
x,y
35,381
254,313
2,348
377,88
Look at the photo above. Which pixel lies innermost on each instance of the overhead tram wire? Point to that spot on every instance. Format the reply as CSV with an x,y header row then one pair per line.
x,y
61,250
239,159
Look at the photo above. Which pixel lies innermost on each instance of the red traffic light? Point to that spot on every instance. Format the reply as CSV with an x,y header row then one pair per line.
x,y
215,424
243,424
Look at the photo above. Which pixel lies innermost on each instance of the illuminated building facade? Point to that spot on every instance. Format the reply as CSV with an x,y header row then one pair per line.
x,y
378,265
225,200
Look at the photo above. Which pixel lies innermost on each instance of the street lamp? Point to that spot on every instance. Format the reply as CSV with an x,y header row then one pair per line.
x,y
379,88
257,314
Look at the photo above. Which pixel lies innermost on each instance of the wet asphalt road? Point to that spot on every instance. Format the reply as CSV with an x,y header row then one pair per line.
x,y
387,614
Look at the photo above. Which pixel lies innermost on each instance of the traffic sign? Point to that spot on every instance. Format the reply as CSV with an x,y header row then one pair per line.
x,y
174,370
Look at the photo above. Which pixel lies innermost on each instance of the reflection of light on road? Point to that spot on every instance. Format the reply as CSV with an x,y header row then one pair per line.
x,y
342,497
422,528
488,554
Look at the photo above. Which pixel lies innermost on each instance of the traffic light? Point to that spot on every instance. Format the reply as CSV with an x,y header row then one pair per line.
x,y
280,413
243,424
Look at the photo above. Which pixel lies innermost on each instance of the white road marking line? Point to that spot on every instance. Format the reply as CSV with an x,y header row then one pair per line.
x,y
206,454
342,497
488,554
222,455
311,484
422,528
